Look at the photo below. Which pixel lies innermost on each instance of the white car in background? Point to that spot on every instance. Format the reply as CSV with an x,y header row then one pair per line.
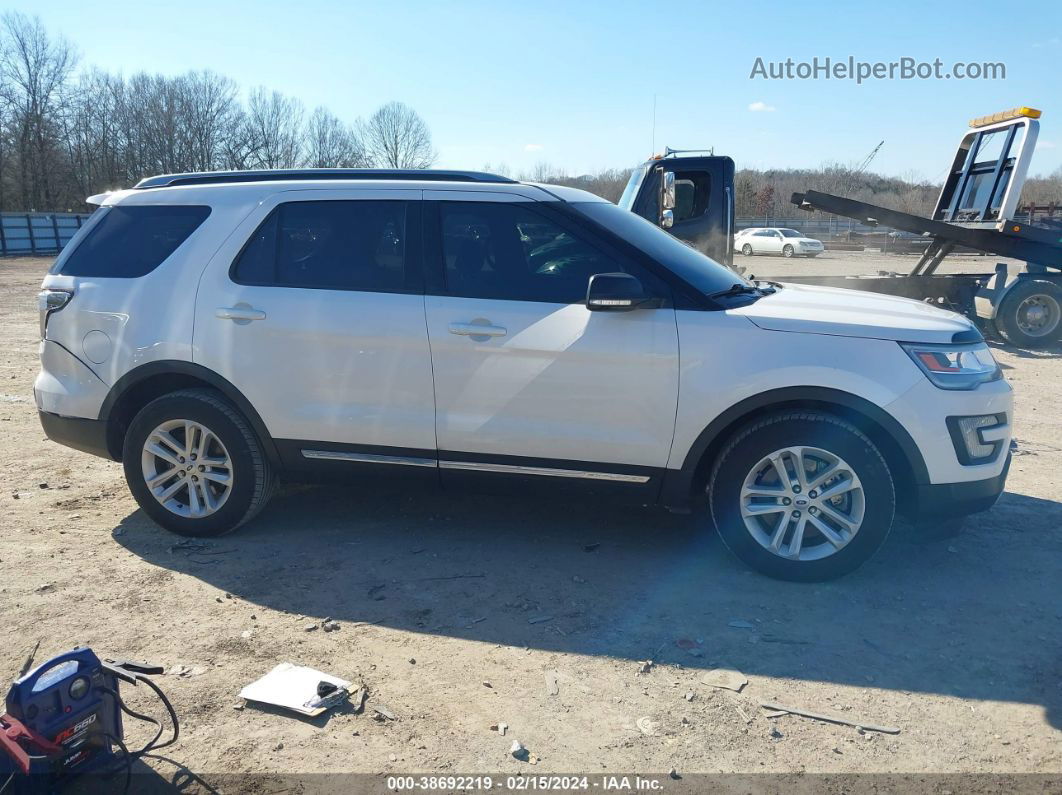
x,y
776,240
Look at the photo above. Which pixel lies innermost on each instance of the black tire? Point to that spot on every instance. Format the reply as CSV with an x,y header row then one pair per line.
x,y
774,432
1012,314
787,251
253,480
746,250
990,329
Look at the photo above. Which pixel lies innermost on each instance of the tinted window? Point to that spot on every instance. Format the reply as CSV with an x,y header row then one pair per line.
x,y
691,194
131,241
508,251
338,245
703,272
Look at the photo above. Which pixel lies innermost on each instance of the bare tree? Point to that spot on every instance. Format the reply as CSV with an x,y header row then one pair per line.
x,y
273,129
396,137
329,143
544,172
209,112
34,67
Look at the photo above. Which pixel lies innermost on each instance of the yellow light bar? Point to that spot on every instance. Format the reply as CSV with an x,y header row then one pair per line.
x,y
1006,115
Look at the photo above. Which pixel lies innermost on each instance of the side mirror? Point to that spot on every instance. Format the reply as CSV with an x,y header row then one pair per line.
x,y
614,292
667,219
667,191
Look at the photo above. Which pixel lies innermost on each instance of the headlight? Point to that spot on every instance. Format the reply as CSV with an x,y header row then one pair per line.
x,y
955,366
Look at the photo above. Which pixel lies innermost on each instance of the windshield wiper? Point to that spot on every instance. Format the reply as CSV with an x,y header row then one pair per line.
x,y
767,285
737,288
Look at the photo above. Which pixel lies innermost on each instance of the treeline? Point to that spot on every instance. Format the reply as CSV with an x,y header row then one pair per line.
x,y
767,193
66,134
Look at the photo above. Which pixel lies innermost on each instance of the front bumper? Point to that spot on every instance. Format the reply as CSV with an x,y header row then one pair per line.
x,y
89,436
941,500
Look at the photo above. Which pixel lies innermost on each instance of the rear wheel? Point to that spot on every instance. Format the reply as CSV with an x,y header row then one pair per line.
x,y
194,465
802,496
746,250
787,251
1031,314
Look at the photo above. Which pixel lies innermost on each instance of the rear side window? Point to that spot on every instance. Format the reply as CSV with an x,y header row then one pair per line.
x,y
132,241
330,245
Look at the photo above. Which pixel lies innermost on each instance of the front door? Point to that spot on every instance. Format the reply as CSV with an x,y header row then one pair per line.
x,y
314,310
527,379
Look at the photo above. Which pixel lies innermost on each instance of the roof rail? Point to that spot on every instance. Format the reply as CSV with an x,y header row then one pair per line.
x,y
273,175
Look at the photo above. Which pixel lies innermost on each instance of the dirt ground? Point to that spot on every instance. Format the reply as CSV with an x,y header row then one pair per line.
x,y
460,612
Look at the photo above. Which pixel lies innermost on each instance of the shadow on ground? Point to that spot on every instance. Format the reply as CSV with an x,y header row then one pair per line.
x,y
974,617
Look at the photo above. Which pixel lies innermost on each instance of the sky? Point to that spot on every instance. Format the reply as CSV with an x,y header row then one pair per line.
x,y
574,84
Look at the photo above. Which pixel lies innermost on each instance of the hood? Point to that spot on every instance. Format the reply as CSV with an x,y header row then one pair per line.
x,y
853,313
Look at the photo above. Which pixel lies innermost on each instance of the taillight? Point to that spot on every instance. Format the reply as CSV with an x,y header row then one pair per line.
x,y
49,301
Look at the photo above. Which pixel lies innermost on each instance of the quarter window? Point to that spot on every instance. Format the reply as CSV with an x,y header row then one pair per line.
x,y
332,245
510,252
131,241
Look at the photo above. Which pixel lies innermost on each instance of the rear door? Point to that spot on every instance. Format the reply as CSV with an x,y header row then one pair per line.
x,y
527,379
314,310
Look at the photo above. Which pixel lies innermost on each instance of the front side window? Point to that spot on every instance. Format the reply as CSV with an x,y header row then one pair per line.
x,y
700,271
692,189
330,245
510,252
131,241
790,233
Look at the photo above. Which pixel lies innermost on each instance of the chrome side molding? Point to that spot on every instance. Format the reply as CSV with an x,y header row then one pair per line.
x,y
513,469
369,458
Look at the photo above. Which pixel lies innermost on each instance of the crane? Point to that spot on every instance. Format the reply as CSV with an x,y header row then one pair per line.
x,y
868,160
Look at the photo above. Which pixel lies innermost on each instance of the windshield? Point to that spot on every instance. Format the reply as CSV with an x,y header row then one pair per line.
x,y
633,184
702,272
790,233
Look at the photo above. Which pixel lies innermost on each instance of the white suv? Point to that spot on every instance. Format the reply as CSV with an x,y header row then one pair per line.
x,y
214,332
776,240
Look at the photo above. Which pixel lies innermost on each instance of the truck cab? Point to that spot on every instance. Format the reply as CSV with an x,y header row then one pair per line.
x,y
692,197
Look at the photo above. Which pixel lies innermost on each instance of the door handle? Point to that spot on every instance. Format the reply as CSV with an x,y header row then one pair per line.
x,y
477,330
238,313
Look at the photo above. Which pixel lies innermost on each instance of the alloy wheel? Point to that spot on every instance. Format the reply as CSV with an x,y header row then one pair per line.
x,y
187,468
802,503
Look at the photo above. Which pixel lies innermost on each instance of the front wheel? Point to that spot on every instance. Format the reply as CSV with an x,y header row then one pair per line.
x,y
194,465
802,496
1031,314
746,250
787,251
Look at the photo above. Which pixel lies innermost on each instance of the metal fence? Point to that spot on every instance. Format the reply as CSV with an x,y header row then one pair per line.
x,y
811,225
27,234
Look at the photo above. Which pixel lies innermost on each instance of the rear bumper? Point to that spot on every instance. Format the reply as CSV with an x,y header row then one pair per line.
x,y
89,436
940,500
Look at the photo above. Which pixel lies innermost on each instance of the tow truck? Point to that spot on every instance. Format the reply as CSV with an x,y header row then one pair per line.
x,y
692,197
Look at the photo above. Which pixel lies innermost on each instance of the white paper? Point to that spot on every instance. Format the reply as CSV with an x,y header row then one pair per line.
x,y
290,686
